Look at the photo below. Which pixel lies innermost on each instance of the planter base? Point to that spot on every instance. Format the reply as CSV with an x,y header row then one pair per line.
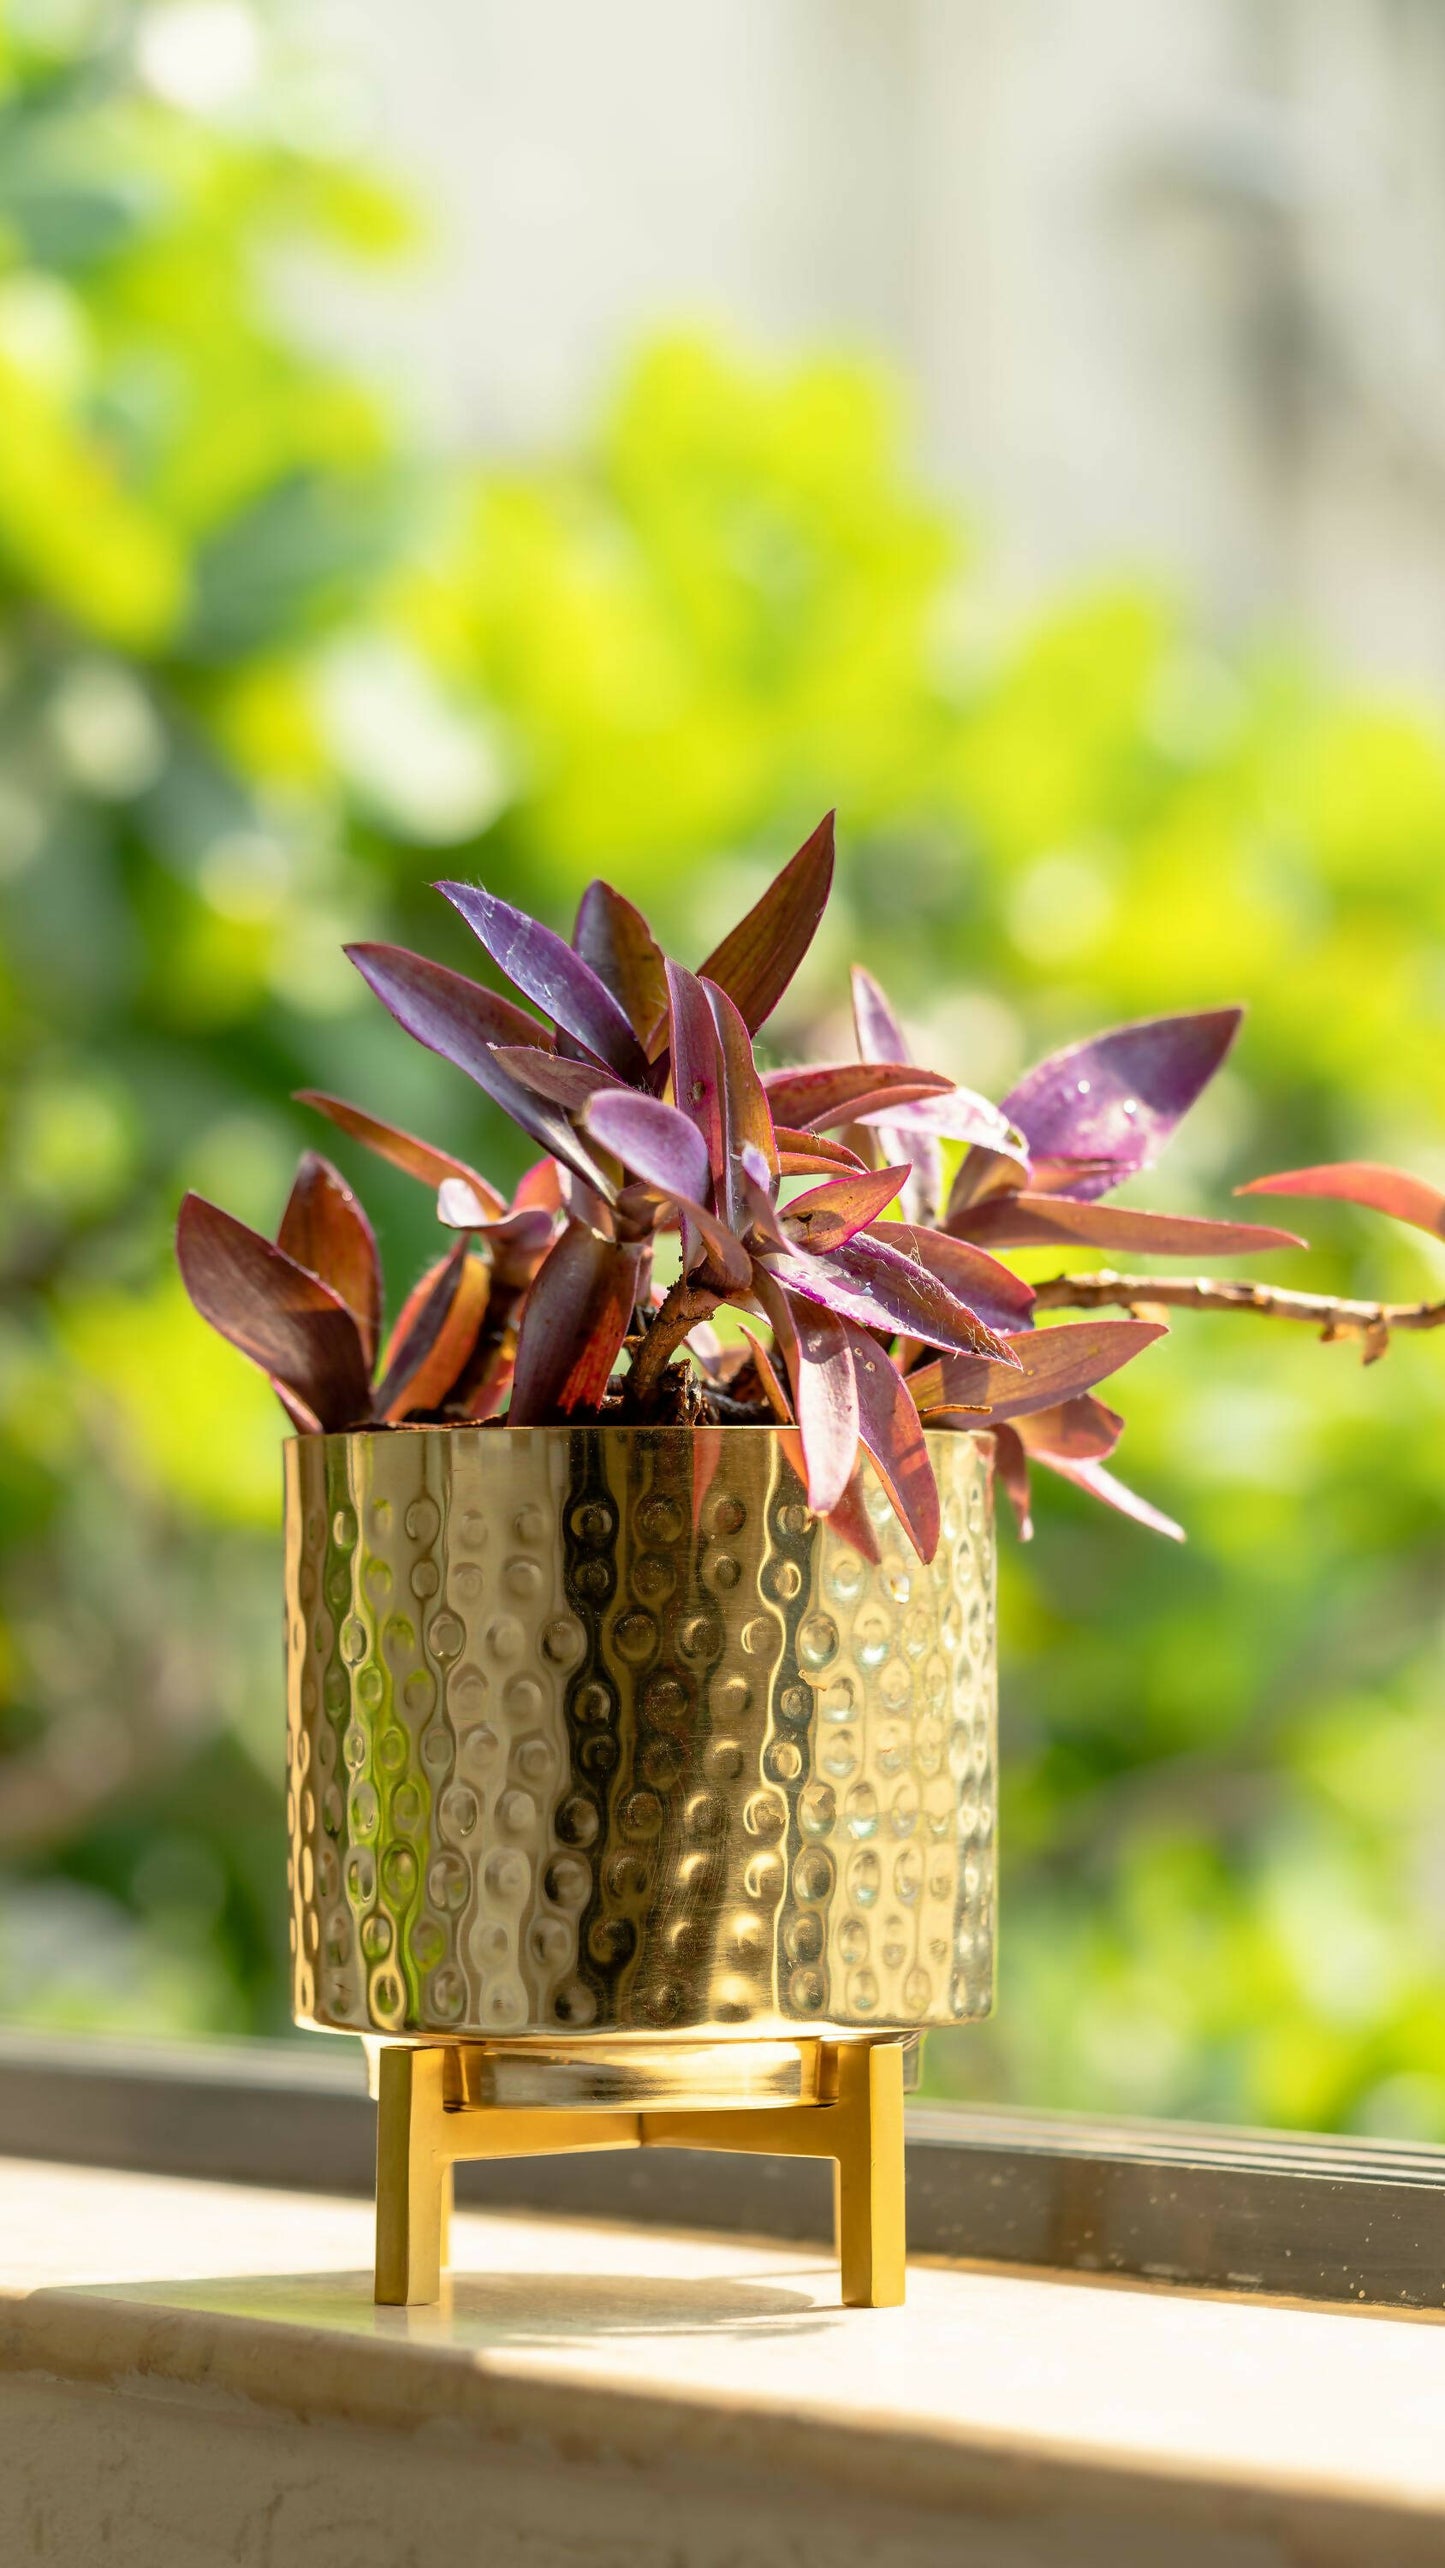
x,y
427,2120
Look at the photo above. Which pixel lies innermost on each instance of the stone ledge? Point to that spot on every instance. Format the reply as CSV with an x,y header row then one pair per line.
x,y
201,2367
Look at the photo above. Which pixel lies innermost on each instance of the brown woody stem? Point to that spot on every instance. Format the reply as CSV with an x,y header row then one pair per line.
x,y
1372,1321
685,1305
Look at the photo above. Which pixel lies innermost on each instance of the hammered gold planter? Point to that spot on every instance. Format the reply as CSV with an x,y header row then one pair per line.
x,y
598,1733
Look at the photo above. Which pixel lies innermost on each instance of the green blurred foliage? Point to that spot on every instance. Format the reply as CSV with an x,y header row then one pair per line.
x,y
258,665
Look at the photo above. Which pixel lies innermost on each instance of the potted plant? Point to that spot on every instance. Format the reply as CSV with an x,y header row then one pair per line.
x,y
639,1582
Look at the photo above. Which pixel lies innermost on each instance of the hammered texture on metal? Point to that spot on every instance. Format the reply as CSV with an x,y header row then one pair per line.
x,y
599,1730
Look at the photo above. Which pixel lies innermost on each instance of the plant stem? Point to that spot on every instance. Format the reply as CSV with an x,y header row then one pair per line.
x,y
684,1306
1334,1318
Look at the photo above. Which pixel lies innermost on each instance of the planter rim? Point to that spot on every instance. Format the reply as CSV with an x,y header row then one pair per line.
x,y
583,1427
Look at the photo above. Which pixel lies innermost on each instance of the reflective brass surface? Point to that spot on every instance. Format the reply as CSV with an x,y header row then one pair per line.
x,y
691,2076
597,1731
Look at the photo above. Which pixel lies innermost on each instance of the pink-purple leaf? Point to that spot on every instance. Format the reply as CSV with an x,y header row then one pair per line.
x,y
1099,1483
825,1399
1367,1183
285,1319
747,1122
1082,1429
615,939
573,1324
696,1064
563,1082
1012,1465
1118,1097
465,1023
544,967
1045,1221
757,960
955,1114
434,1336
829,1214
881,1288
837,1092
808,1154
325,1230
402,1149
651,1139
888,1427
991,1290
1053,1364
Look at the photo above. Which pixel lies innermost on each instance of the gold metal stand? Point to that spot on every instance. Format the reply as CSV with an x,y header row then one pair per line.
x,y
433,2109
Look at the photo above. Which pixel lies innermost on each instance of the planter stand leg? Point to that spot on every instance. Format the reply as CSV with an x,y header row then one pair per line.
x,y
422,2133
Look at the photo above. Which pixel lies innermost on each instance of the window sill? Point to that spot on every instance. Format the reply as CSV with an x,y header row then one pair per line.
x,y
196,2371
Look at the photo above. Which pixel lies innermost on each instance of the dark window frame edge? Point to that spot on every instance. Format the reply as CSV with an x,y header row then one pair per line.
x,y
1200,2206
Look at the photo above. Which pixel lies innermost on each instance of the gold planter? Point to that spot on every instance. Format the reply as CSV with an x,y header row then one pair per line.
x,y
599,1742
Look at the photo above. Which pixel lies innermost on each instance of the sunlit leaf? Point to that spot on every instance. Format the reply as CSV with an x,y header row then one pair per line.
x,y
652,1139
615,939
1042,1221
757,960
418,1158
1083,1429
696,1062
434,1336
828,1215
544,967
1102,1484
1001,1299
286,1320
834,1092
747,1122
888,1426
1365,1182
1118,1097
460,1020
1053,1364
880,1288
563,1082
576,1317
325,1230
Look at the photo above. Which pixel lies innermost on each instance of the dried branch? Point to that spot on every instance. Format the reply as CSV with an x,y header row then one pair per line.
x,y
1334,1318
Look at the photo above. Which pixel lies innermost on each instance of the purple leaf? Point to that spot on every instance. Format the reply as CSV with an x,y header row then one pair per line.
x,y
464,1023
755,963
1012,1465
747,1122
615,939
1041,1221
573,1324
807,1154
565,1083
435,1333
402,1149
1119,1096
325,1230
828,1215
851,1521
825,1400
957,1114
834,1092
880,1288
888,1426
1053,1365
766,1371
543,966
1102,1484
1081,1429
1364,1182
986,1172
880,1035
696,1063
652,1140
992,1291
727,1264
283,1318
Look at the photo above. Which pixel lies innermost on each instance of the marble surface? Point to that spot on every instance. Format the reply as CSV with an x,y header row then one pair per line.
x,y
716,2350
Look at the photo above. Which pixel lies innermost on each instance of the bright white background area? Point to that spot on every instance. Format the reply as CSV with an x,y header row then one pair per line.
x,y
1165,278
